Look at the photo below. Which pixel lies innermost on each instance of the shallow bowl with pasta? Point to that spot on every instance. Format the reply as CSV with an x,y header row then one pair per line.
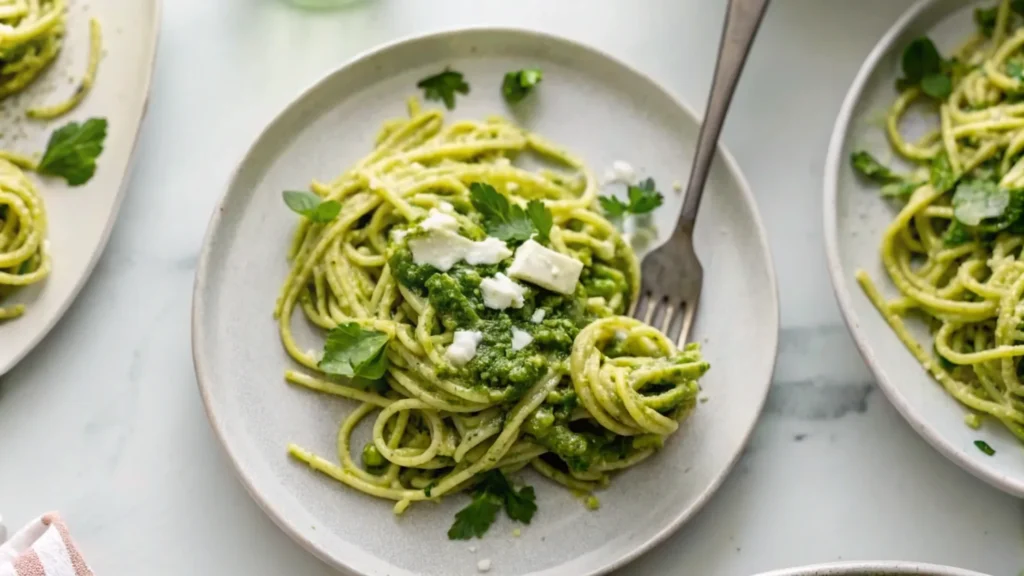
x,y
604,114
857,215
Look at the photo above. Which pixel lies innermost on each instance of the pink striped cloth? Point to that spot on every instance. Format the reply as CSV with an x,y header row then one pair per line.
x,y
43,548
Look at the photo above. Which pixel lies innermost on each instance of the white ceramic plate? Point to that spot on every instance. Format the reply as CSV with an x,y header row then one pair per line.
x,y
80,218
873,569
598,108
855,217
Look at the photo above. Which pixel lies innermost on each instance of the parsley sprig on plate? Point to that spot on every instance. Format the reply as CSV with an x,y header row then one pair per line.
x,y
443,87
493,492
356,352
643,198
507,221
312,206
72,151
925,68
519,83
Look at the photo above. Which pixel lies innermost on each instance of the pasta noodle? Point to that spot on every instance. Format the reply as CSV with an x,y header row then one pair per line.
x,y
595,392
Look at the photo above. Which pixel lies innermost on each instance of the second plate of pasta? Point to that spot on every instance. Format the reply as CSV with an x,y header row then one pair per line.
x,y
923,224
411,324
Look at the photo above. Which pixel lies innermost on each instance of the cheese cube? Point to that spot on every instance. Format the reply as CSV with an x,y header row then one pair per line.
x,y
546,268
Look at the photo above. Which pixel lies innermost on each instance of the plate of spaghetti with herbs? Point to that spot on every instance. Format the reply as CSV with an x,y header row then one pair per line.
x,y
411,321
74,81
924,219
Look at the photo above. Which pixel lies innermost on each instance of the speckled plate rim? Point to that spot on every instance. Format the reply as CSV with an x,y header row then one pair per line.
x,y
204,379
833,163
29,344
872,568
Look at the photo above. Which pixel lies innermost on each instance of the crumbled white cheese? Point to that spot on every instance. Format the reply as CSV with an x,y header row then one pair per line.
x,y
374,183
437,220
446,206
503,161
500,292
520,339
443,248
484,565
677,186
511,187
399,235
538,316
472,548
463,346
545,268
317,355
621,172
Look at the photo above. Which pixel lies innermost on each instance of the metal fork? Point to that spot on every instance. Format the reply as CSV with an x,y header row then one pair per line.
x,y
672,275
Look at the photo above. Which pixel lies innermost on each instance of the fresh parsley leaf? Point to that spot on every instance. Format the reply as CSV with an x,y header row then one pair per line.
x,y
506,221
942,176
443,87
474,520
73,149
353,351
924,67
978,200
984,447
872,169
612,206
519,83
493,491
521,505
921,58
938,86
985,18
956,234
312,206
541,218
1015,69
643,198
900,190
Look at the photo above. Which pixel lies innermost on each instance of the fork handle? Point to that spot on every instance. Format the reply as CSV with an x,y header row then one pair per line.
x,y
742,19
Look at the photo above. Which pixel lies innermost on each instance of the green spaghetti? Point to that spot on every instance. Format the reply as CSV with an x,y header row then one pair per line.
x,y
31,37
954,251
474,309
24,257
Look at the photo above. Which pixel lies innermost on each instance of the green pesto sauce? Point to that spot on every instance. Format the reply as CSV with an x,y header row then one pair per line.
x,y
458,302
579,445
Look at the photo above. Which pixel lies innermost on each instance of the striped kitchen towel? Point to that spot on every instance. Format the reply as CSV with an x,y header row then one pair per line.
x,y
43,548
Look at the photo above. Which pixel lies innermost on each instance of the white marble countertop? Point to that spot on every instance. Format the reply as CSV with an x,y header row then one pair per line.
x,y
104,423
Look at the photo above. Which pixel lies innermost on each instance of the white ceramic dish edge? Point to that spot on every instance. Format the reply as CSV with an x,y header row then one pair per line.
x,y
833,163
872,568
112,217
198,289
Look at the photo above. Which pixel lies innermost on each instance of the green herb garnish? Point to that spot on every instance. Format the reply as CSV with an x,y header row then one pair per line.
x,y
978,200
312,206
355,352
518,84
443,87
872,169
924,67
984,447
73,149
643,198
506,221
490,494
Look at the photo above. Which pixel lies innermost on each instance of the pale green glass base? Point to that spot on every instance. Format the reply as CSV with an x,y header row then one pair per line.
x,y
322,3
